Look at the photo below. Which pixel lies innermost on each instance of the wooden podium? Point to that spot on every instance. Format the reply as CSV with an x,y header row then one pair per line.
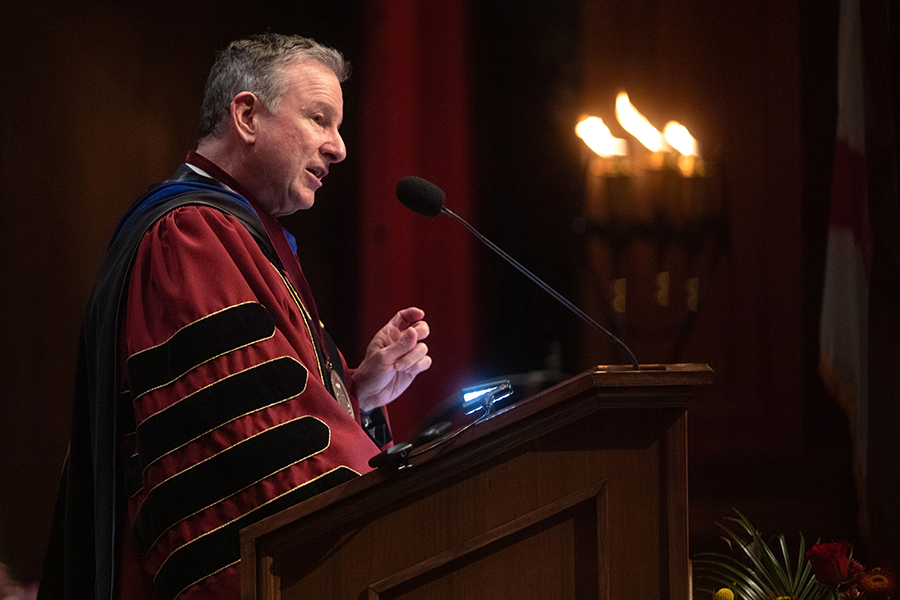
x,y
577,492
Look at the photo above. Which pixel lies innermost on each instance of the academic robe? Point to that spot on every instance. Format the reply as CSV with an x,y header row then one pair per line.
x,y
204,402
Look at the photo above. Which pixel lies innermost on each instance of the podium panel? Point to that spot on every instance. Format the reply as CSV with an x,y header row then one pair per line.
x,y
577,492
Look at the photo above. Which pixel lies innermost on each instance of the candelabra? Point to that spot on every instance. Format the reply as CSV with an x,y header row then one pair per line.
x,y
654,229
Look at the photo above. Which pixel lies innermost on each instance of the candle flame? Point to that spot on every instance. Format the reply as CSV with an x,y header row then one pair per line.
x,y
636,124
678,137
598,138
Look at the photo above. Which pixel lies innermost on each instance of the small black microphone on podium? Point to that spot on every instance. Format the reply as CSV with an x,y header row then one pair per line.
x,y
427,199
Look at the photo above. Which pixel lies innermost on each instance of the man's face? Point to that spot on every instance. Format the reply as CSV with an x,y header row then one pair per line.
x,y
299,140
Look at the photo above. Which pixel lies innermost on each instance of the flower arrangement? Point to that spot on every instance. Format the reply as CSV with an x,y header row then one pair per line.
x,y
826,571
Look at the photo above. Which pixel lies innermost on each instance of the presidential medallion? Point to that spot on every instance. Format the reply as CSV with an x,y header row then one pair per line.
x,y
340,392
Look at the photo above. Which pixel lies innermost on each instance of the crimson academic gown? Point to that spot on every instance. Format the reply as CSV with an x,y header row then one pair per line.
x,y
221,409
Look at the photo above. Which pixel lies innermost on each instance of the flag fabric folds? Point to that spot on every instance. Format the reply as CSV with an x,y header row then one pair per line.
x,y
843,333
859,339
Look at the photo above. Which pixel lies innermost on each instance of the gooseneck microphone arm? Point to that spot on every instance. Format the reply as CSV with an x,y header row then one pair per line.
x,y
427,199
537,280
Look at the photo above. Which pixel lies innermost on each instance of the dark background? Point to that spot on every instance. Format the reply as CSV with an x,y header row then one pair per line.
x,y
101,100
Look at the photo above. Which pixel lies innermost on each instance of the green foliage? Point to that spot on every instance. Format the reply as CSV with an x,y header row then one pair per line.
x,y
759,572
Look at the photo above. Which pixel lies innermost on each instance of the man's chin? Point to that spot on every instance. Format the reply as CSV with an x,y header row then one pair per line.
x,y
305,203
296,204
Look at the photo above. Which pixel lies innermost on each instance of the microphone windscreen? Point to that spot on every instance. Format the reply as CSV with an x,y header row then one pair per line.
x,y
420,195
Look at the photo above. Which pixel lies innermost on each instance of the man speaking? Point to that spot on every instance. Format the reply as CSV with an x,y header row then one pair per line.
x,y
208,393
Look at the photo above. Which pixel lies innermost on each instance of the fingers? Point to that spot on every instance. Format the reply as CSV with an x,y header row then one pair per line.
x,y
414,318
406,352
407,317
422,365
394,357
415,361
421,328
408,343
413,356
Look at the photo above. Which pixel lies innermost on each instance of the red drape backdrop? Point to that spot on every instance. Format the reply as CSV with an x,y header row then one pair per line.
x,y
415,122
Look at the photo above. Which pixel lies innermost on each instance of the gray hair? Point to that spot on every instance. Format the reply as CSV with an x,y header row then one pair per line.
x,y
257,64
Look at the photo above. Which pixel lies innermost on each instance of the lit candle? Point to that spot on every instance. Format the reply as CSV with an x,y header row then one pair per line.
x,y
598,138
607,185
651,195
678,137
636,124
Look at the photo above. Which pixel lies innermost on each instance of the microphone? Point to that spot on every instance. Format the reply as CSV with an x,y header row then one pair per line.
x,y
427,199
421,196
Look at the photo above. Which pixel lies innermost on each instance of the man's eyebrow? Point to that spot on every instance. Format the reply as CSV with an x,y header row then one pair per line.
x,y
322,106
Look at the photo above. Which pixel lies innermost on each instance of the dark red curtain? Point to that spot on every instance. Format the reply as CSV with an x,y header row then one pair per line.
x,y
415,122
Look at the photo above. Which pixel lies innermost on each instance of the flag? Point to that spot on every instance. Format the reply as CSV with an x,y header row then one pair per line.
x,y
844,325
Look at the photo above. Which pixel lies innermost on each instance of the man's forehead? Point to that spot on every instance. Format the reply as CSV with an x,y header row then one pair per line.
x,y
305,67
312,78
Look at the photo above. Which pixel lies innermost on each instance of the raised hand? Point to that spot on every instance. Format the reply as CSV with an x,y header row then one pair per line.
x,y
393,359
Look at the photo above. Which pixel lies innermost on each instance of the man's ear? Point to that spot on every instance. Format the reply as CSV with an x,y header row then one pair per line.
x,y
245,113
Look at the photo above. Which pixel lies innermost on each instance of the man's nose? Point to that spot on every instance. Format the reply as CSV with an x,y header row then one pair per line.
x,y
335,149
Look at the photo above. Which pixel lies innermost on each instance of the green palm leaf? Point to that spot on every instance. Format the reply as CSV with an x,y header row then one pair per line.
x,y
759,573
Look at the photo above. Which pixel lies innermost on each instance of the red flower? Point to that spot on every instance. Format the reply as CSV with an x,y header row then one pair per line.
x,y
829,562
877,583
